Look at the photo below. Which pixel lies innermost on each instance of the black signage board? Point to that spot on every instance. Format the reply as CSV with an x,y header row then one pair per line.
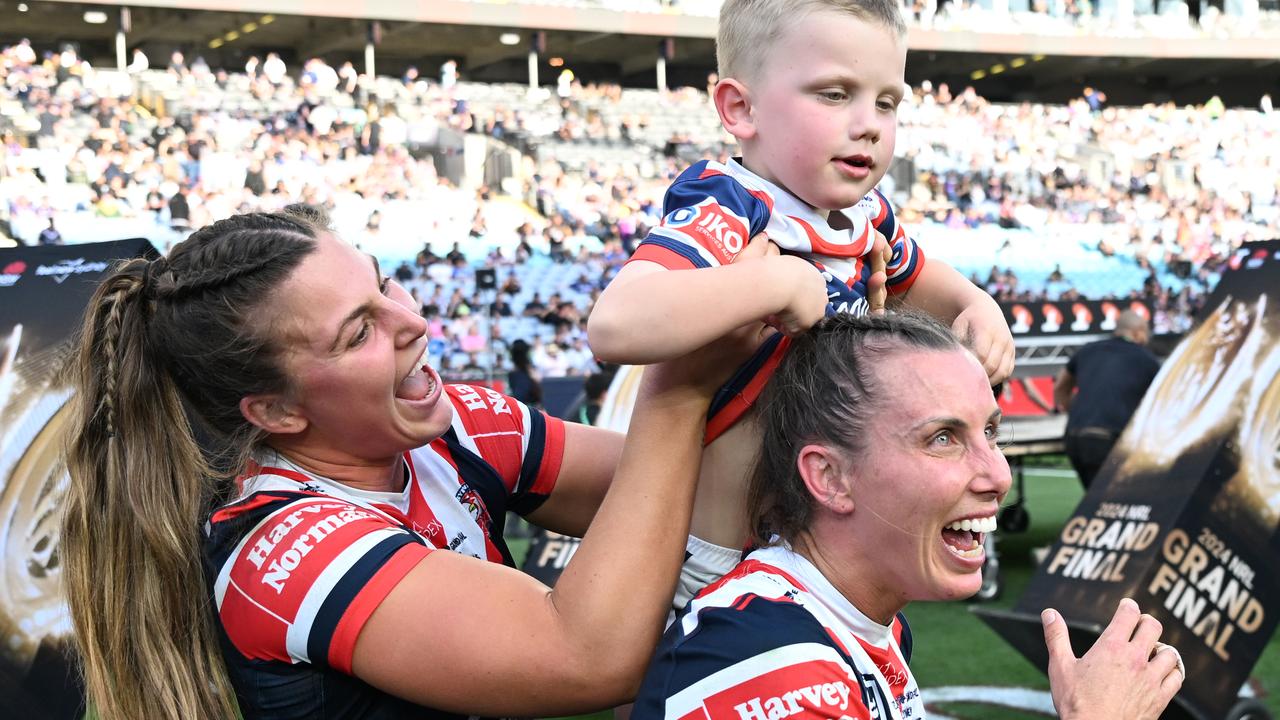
x,y
1076,317
1183,517
43,293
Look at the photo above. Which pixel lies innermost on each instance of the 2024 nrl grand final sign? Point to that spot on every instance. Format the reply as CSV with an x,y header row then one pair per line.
x,y
43,293
1184,515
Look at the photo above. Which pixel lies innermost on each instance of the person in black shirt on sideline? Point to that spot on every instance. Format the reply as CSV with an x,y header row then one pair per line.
x,y
1112,375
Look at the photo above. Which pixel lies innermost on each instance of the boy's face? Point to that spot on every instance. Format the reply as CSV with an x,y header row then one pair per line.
x,y
824,109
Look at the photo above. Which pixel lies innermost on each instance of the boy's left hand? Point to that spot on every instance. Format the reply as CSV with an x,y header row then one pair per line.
x,y
877,284
989,338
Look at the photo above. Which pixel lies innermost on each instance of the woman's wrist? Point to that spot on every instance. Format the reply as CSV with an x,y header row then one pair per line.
x,y
681,401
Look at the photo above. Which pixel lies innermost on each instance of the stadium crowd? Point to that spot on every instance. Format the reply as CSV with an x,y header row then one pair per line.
x,y
1164,193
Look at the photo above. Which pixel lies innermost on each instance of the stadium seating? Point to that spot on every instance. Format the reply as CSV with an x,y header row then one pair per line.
x,y
1063,200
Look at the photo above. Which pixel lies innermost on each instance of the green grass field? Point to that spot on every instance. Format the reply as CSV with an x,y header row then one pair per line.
x,y
954,648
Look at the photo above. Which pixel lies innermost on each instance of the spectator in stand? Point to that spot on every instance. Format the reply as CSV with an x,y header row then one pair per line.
x,y
1146,214
349,78
448,75
523,381
371,134
138,63
1111,377
564,84
502,306
594,390
550,360
455,254
50,235
1093,97
177,63
579,357
180,207
274,70
394,131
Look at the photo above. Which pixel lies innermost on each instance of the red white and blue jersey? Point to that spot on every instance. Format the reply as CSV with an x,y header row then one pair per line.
x,y
774,639
712,211
298,562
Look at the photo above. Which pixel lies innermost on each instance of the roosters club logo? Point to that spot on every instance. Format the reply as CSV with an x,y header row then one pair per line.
x,y
1110,313
1052,318
1142,310
1021,319
1083,317
470,500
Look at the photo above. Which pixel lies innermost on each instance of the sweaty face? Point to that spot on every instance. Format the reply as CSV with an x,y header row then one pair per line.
x,y
355,348
824,108
927,489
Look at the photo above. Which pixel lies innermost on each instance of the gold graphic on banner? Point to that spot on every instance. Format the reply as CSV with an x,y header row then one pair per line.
x,y
1196,396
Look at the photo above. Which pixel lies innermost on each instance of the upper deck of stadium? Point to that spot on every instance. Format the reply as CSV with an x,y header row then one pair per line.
x,y
1139,50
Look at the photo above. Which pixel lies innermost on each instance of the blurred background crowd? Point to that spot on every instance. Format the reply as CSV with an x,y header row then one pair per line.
x,y
1033,200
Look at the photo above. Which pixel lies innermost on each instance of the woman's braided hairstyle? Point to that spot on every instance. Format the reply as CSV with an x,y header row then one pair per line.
x,y
167,350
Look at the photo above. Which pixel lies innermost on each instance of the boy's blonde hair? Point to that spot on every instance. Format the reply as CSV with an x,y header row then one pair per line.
x,y
749,28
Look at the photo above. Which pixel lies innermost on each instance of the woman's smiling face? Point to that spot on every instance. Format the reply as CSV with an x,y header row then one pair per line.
x,y
354,346
929,485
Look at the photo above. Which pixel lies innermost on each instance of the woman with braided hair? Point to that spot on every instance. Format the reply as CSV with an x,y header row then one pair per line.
x,y
277,509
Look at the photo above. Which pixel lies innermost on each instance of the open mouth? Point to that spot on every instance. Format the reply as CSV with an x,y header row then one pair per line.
x,y
421,382
964,537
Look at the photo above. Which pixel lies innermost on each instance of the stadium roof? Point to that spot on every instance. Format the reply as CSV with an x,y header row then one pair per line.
x,y
604,44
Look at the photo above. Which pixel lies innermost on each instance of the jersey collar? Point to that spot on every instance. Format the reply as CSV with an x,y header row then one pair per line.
x,y
791,206
825,593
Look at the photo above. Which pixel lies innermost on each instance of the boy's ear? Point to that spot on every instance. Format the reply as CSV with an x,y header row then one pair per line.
x,y
823,473
733,103
272,413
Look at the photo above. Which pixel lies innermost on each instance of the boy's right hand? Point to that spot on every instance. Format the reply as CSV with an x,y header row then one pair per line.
x,y
801,282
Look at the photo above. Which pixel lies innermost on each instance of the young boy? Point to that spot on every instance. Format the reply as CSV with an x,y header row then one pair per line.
x,y
810,88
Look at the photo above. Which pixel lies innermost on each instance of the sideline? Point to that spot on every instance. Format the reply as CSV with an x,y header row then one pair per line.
x,y
1026,699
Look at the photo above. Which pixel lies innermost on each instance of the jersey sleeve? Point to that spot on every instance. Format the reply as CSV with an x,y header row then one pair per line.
x,y
708,219
908,259
301,583
757,660
524,445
